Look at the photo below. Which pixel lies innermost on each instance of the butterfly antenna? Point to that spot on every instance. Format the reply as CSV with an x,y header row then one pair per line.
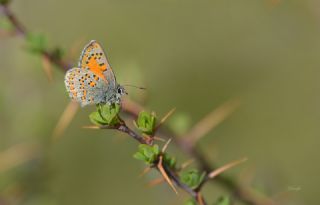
x,y
141,88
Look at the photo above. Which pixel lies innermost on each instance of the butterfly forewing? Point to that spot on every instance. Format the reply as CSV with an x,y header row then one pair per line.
x,y
93,58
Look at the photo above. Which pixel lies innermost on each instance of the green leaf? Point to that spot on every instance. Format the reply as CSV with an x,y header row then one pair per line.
x,y
96,119
190,202
223,200
109,113
139,156
148,154
36,43
192,178
170,161
156,149
146,122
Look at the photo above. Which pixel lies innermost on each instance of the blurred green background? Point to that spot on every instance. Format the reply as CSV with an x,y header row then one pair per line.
x,y
192,55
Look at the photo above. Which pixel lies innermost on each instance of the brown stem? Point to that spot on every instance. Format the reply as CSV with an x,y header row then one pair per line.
x,y
20,29
124,128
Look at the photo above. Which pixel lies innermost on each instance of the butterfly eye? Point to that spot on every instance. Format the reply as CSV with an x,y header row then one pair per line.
x,y
119,90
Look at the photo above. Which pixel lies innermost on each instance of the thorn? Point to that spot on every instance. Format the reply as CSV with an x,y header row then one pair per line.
x,y
224,168
186,164
65,119
159,139
47,67
165,176
166,145
165,118
145,171
91,127
200,199
155,182
212,120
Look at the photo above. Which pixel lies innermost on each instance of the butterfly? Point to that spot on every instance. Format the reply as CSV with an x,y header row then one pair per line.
x,y
93,81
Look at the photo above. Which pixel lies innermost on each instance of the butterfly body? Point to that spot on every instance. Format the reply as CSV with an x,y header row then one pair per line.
x,y
93,82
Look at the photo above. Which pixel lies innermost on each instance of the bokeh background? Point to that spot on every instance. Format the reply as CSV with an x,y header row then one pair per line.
x,y
192,55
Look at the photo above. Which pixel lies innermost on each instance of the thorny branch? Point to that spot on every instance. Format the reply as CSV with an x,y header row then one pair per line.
x,y
122,127
243,193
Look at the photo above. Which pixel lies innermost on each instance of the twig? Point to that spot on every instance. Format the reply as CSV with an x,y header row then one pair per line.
x,y
125,129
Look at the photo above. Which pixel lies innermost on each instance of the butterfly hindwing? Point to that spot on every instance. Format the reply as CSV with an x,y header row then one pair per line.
x,y
85,86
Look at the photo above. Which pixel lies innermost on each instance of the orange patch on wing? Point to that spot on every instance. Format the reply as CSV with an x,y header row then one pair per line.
x,y
96,68
92,84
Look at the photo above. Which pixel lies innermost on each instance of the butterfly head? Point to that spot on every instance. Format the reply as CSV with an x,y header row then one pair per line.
x,y
119,92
